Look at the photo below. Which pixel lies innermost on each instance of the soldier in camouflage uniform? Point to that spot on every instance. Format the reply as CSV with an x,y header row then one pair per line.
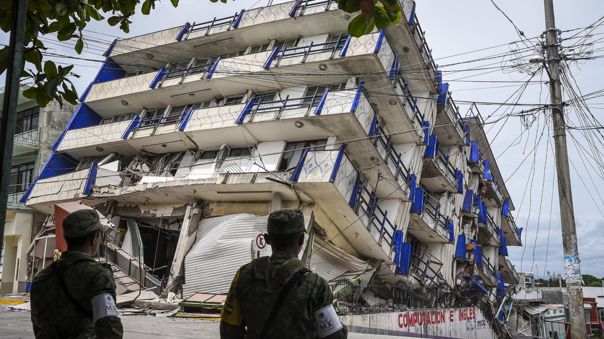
x,y
74,297
277,297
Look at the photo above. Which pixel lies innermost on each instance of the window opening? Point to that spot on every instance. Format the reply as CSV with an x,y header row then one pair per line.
x,y
21,176
293,151
27,120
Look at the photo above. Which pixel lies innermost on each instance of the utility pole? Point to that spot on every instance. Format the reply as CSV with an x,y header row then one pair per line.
x,y
572,268
9,104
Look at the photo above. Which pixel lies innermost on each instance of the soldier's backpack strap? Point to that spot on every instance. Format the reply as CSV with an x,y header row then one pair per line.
x,y
59,275
293,281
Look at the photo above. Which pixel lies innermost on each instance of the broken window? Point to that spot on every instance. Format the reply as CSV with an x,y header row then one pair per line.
x,y
166,165
293,151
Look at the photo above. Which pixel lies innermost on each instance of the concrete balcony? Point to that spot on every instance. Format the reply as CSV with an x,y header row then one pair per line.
x,y
484,268
449,125
493,196
87,141
412,49
488,233
232,33
68,187
415,118
510,230
428,224
508,271
26,142
233,76
14,201
438,174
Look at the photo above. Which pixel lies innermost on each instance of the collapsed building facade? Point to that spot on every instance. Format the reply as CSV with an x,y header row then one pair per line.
x,y
188,137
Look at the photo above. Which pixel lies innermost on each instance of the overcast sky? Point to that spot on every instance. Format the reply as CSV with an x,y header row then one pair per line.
x,y
461,27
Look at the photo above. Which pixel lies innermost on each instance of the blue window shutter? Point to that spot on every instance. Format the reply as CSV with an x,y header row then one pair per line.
x,y
417,206
474,152
460,247
468,201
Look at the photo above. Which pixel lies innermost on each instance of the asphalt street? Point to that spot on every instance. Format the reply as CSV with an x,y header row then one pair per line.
x,y
17,325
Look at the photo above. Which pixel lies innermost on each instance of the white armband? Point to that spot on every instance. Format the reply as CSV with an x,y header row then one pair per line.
x,y
103,306
327,321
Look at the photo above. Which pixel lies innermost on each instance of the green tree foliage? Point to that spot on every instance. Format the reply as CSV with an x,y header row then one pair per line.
x,y
373,13
590,280
67,19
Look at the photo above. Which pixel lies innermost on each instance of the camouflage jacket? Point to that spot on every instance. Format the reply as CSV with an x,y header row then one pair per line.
x,y
54,315
256,287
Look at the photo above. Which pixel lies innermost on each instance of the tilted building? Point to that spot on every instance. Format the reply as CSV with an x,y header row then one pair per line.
x,y
188,137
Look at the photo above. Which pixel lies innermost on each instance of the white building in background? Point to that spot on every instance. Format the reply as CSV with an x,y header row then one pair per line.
x,y
36,129
188,137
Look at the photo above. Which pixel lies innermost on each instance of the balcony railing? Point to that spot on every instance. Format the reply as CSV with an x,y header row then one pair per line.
x,y
213,26
30,138
402,87
425,267
273,109
484,264
433,210
491,224
13,201
443,159
391,156
459,122
304,51
302,7
422,44
374,217
190,69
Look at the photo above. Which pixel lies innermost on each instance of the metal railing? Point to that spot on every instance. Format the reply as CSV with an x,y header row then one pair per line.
x,y
491,225
305,51
377,217
14,200
300,7
189,70
422,44
31,137
456,115
258,106
488,268
432,207
401,83
392,156
444,160
423,268
225,24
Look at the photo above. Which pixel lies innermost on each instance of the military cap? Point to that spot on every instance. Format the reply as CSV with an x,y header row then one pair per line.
x,y
80,223
286,221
